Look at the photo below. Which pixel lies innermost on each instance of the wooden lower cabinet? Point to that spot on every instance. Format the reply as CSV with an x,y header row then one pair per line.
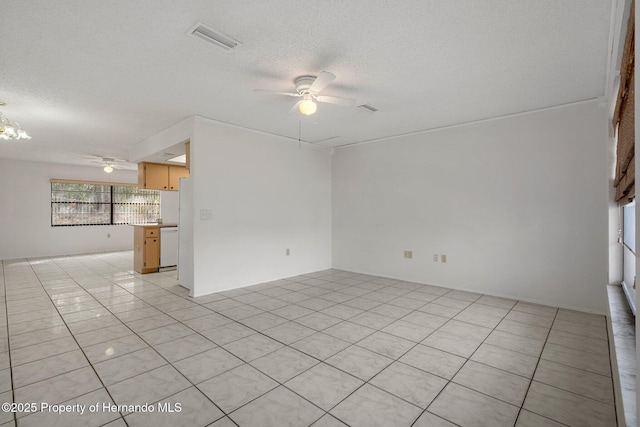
x,y
146,249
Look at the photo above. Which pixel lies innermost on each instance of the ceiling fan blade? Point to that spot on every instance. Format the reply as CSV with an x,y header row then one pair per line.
x,y
275,92
322,81
102,159
113,160
295,107
347,102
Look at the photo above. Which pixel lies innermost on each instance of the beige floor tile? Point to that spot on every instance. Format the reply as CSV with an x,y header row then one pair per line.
x,y
594,386
568,408
494,382
466,407
324,385
370,406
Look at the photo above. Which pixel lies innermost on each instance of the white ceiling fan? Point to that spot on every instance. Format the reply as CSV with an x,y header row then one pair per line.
x,y
308,88
108,163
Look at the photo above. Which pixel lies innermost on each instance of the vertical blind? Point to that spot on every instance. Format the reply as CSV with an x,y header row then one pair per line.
x,y
623,120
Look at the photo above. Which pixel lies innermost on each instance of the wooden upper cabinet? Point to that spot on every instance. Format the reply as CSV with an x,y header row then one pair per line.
x,y
175,173
156,176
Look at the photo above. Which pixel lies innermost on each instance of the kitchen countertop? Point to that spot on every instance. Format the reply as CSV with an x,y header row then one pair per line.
x,y
155,224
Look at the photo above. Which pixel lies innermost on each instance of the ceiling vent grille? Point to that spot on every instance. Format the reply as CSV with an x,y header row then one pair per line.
x,y
368,108
214,37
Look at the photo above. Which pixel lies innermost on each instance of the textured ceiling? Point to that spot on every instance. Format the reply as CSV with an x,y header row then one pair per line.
x,y
96,77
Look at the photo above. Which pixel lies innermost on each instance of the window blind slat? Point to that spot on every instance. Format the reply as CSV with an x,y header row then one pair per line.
x,y
624,120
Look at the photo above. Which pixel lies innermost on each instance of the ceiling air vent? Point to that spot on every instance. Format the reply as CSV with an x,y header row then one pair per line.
x,y
214,37
368,108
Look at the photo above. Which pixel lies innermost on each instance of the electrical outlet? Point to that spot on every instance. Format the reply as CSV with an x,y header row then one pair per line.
x,y
435,257
443,258
288,252
408,254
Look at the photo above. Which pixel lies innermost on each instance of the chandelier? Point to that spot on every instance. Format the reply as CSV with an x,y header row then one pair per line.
x,y
11,130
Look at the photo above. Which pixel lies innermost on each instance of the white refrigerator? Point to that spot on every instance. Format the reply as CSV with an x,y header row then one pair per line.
x,y
185,234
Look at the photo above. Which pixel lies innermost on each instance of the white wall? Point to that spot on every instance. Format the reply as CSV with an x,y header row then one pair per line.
x,y
180,132
25,212
265,195
519,206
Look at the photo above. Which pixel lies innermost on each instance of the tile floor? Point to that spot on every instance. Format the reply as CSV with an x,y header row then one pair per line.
x,y
331,348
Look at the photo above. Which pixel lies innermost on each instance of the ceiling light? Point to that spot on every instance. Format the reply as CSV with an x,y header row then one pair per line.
x,y
179,159
9,130
108,169
22,134
307,106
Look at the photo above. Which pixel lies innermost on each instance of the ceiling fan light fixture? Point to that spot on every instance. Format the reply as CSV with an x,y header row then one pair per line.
x,y
108,169
9,130
21,133
307,107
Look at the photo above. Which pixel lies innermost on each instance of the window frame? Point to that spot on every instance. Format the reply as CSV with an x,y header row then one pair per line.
x,y
111,203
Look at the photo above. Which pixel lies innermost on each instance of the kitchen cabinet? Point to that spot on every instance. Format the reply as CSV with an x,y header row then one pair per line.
x,y
175,173
156,176
146,249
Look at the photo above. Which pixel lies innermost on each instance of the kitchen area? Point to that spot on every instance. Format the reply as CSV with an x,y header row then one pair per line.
x,y
156,244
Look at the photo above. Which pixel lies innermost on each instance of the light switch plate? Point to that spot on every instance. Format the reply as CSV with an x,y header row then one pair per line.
x,y
206,214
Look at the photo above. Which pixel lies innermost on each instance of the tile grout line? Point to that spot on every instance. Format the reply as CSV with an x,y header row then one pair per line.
x,y
536,369
222,347
326,412
169,363
355,344
76,341
613,386
380,330
286,345
319,296
6,307
149,346
239,321
449,381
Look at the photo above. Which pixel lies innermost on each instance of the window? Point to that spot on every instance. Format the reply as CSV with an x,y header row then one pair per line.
x,y
87,203
629,226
